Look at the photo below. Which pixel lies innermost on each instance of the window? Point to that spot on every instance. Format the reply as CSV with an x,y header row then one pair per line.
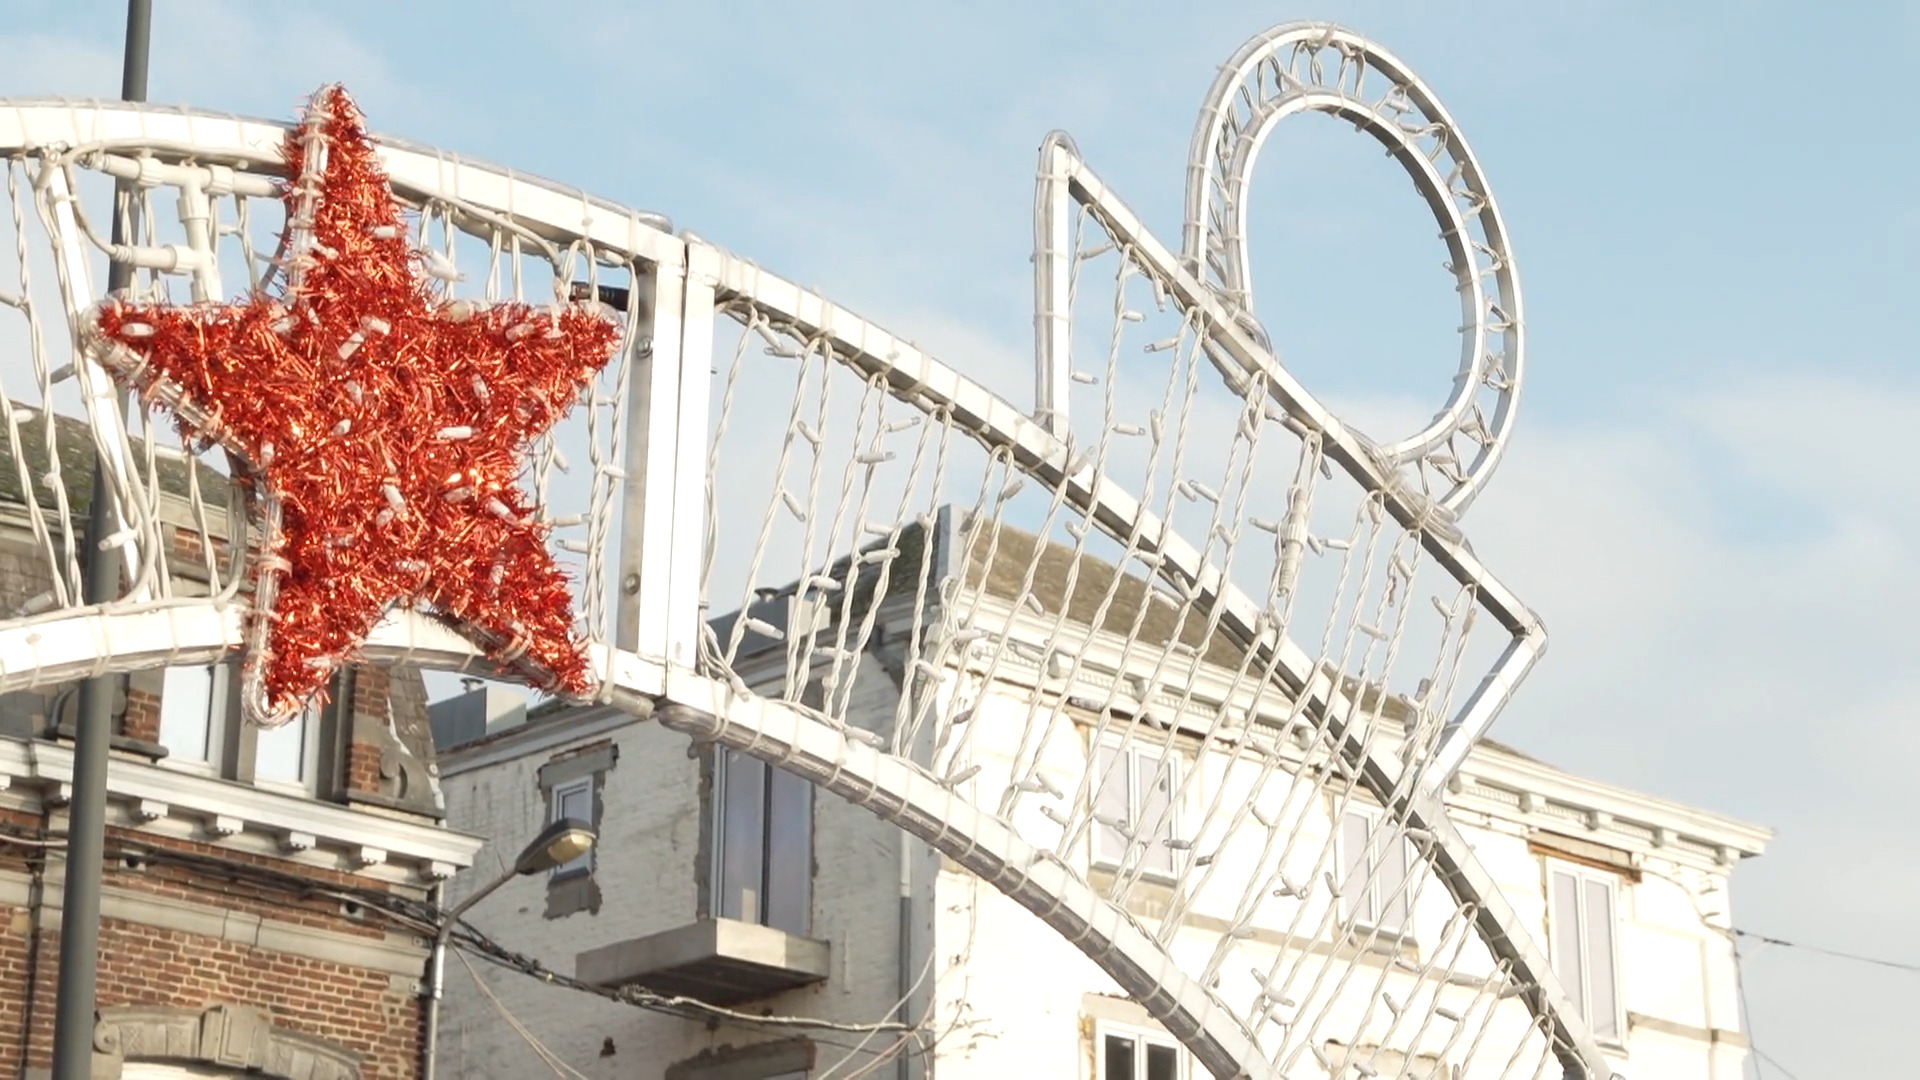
x,y
1135,798
574,799
1581,915
763,849
198,711
284,755
1126,1054
1374,863
192,706
573,784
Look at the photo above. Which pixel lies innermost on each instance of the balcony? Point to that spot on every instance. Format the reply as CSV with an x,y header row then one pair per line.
x,y
718,961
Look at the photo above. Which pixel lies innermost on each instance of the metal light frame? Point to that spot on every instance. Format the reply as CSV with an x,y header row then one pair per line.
x,y
650,665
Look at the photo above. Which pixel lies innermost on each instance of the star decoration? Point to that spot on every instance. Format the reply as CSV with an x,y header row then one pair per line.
x,y
381,427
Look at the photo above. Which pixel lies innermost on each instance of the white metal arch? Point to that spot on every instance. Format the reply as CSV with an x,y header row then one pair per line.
x,y
1285,72
652,667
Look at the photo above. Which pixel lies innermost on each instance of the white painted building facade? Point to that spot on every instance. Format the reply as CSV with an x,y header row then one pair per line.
x,y
720,880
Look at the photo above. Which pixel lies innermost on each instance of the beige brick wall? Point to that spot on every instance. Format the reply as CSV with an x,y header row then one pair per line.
x,y
648,869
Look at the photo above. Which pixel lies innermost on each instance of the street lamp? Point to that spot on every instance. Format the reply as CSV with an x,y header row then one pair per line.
x,y
557,845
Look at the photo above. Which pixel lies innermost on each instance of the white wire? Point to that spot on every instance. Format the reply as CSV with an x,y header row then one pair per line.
x,y
548,1057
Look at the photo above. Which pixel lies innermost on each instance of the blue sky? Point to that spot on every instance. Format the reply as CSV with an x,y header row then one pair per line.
x,y
1713,211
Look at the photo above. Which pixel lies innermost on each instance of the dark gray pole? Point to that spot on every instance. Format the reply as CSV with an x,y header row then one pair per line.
x,y
73,1016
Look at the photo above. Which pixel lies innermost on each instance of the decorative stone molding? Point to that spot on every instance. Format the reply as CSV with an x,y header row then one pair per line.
x,y
391,753
226,1036
248,818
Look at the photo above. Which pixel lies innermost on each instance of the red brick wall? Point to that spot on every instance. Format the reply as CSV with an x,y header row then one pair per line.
x,y
142,717
372,686
356,1008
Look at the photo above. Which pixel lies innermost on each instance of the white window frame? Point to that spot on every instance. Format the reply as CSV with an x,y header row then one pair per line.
x,y
1141,1038
1131,754
581,864
309,722
216,719
225,746
717,868
1369,911
1582,994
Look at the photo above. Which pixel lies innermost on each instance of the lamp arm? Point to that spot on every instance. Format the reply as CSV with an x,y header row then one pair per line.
x,y
452,918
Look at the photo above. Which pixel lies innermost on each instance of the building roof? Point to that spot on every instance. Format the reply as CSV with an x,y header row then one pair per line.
x,y
75,450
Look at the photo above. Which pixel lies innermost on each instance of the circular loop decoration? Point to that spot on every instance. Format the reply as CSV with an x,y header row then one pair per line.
x,y
1318,67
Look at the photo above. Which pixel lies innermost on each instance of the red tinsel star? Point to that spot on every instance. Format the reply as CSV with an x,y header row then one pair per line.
x,y
384,428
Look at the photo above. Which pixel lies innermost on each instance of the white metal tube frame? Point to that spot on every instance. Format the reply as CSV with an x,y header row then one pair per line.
x,y
659,670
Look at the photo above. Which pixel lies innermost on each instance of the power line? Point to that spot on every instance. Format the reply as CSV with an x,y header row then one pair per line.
x,y
1877,961
1753,1044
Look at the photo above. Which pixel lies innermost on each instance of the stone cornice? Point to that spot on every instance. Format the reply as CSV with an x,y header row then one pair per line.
x,y
1500,783
249,818
534,736
1510,786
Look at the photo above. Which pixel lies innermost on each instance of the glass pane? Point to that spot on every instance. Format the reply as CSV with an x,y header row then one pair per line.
x,y
575,801
1155,823
1119,1064
1568,963
280,753
1392,850
1354,837
186,706
1603,1019
1110,803
789,852
1163,1062
742,831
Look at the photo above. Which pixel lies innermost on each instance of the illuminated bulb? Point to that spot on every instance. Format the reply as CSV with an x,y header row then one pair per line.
x,y
438,266
454,434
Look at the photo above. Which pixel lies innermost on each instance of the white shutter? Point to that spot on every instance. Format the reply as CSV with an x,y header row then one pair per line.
x,y
1352,848
1602,990
1569,952
1391,849
1154,822
1110,803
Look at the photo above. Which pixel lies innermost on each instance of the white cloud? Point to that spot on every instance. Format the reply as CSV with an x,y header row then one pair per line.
x,y
1740,639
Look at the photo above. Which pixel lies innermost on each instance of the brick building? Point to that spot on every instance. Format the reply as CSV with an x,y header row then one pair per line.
x,y
258,885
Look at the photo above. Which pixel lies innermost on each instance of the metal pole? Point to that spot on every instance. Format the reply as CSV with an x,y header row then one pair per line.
x,y
74,1016
437,968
